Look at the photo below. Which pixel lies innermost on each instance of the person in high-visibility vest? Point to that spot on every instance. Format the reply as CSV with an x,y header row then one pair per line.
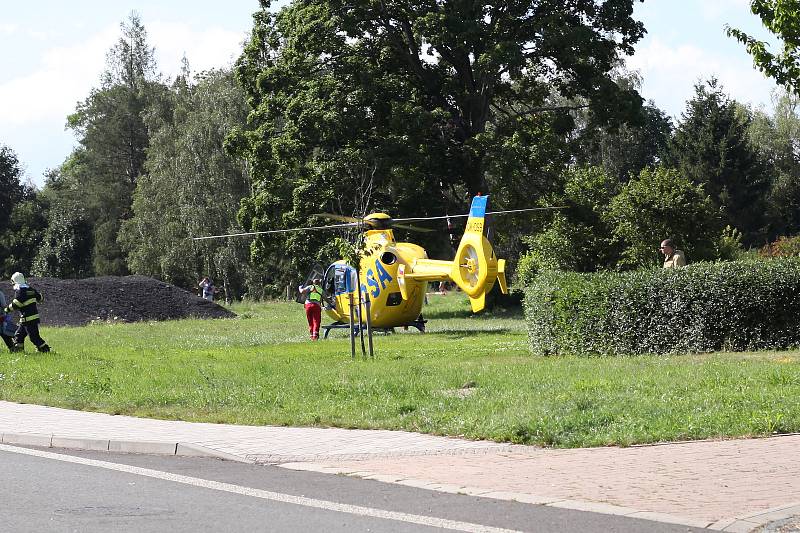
x,y
313,305
25,300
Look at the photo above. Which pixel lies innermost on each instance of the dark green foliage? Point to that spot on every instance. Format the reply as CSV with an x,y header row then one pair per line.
x,y
624,150
744,305
609,225
66,249
191,188
711,148
657,205
576,238
22,217
414,107
20,243
11,189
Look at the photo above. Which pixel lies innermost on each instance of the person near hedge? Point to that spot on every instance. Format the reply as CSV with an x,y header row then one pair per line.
x,y
25,300
7,327
673,258
313,306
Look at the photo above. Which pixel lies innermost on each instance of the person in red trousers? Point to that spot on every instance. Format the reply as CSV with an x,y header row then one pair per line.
x,y
313,294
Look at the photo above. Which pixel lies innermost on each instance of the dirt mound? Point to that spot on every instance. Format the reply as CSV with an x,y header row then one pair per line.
x,y
75,302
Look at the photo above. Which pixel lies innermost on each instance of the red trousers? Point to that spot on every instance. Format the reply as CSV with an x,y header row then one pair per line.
x,y
314,316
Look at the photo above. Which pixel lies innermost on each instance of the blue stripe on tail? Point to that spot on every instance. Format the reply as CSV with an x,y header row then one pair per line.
x,y
478,209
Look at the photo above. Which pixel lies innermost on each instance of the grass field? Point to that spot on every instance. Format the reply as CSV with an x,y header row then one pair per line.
x,y
468,376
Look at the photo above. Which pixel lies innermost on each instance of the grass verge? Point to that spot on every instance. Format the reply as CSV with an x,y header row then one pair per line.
x,y
468,376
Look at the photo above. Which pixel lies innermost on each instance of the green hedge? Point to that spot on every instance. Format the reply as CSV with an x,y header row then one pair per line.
x,y
743,305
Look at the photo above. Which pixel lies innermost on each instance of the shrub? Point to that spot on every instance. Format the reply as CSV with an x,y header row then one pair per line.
x,y
783,247
661,204
575,238
729,245
744,305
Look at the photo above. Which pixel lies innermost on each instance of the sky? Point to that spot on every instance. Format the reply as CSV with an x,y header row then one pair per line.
x,y
54,53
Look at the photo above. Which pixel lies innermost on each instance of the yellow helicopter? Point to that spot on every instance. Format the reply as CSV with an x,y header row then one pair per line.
x,y
392,277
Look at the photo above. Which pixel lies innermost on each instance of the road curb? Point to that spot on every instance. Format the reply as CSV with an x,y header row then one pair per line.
x,y
748,522
187,449
27,439
184,449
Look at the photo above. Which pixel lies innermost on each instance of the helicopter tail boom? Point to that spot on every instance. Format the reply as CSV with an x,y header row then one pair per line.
x,y
475,267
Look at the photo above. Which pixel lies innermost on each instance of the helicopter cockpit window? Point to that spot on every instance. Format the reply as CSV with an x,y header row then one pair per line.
x,y
393,299
388,258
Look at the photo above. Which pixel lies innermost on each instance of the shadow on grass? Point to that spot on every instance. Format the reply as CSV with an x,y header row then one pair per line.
x,y
470,332
438,314
450,332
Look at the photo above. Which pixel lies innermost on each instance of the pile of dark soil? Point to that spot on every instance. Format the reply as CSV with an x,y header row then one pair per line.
x,y
75,302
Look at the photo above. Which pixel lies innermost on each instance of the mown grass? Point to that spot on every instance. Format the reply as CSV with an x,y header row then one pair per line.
x,y
468,376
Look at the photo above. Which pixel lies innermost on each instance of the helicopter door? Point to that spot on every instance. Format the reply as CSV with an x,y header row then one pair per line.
x,y
316,272
340,279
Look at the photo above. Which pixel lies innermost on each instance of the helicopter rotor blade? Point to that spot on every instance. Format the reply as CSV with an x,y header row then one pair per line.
x,y
412,228
290,230
374,223
343,218
443,217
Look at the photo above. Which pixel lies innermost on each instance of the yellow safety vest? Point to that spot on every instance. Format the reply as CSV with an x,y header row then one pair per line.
x,y
315,295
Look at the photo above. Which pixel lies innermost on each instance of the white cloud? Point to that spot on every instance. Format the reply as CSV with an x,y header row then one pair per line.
x,y
36,104
670,73
211,48
717,9
64,76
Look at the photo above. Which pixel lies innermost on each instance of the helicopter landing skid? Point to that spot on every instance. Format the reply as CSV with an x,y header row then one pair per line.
x,y
418,323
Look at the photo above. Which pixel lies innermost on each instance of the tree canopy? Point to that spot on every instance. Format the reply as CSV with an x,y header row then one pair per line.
x,y
418,104
93,190
711,147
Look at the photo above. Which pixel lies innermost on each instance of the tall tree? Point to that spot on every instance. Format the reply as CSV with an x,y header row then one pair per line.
x,y
191,188
626,150
777,139
711,148
22,217
417,96
11,187
112,140
623,149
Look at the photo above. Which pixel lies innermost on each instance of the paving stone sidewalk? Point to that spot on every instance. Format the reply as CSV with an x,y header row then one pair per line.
x,y
733,485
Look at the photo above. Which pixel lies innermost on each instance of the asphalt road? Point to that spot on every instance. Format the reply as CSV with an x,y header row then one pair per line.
x,y
59,490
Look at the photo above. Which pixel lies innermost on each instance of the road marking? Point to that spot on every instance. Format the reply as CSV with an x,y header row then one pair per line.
x,y
265,494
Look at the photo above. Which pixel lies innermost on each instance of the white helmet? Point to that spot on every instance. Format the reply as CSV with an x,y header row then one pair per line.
x,y
18,278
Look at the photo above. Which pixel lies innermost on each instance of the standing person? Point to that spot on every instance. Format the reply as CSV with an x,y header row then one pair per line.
x,y
25,300
207,289
313,306
7,327
673,258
